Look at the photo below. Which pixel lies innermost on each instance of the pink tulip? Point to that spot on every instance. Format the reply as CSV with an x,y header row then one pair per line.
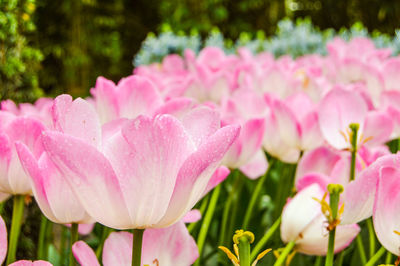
x,y
13,179
154,163
167,246
247,109
303,222
52,193
340,108
133,96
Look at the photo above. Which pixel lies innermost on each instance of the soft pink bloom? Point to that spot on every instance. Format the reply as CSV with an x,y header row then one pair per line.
x,y
249,110
303,222
55,198
359,195
169,246
39,110
13,179
149,174
132,96
340,108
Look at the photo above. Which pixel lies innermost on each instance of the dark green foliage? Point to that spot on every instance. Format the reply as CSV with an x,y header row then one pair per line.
x,y
19,60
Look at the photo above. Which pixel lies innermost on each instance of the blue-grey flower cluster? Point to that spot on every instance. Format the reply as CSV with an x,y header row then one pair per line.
x,y
291,38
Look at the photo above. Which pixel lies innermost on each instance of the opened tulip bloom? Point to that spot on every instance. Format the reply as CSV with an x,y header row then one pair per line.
x,y
165,246
303,223
148,175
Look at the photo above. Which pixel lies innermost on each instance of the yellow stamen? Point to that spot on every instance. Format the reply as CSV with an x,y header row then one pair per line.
x,y
230,255
260,256
156,262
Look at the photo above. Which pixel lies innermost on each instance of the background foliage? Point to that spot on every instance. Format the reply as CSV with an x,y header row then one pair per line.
x,y
62,46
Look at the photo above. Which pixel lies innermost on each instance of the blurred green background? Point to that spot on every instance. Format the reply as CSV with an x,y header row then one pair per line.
x,y
50,47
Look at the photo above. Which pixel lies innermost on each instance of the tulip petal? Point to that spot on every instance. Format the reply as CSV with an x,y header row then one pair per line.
x,y
386,212
77,118
3,240
257,166
84,255
91,177
196,172
117,249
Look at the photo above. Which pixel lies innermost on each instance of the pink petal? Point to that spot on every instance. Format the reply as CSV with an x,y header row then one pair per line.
x,y
378,128
5,158
386,208
106,101
77,118
91,177
337,110
84,255
170,246
321,160
288,126
315,238
31,263
300,212
257,166
359,195
311,137
246,145
196,172
3,240
192,216
117,249
218,177
137,96
147,158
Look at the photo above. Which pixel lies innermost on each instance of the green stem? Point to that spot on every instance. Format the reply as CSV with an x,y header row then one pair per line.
x,y
203,207
265,239
74,238
376,257
371,233
334,196
18,211
331,247
137,247
104,235
389,255
285,253
361,250
63,241
42,238
339,260
254,198
318,261
244,251
207,221
227,207
354,130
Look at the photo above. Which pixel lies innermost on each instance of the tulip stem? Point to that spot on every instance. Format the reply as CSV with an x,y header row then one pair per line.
x,y
254,197
376,257
63,241
74,238
137,247
318,261
360,247
42,238
207,221
18,211
334,196
371,238
388,258
354,130
285,253
104,235
265,239
227,207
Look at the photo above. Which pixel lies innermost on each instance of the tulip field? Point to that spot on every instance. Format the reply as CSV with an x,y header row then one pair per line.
x,y
211,158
